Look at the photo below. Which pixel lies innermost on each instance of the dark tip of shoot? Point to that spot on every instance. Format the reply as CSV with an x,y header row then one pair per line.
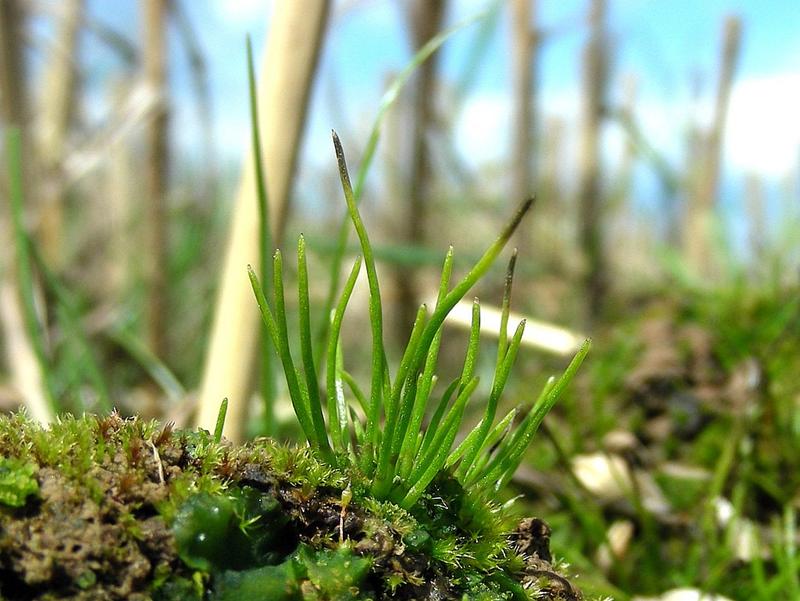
x,y
337,147
514,223
344,174
512,263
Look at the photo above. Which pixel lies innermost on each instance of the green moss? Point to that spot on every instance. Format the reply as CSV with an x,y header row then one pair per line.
x,y
17,481
212,521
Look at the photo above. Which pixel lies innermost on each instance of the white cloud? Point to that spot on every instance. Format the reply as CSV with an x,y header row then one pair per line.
x,y
481,132
242,12
763,130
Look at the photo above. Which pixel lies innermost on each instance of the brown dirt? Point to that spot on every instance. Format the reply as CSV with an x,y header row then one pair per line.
x,y
105,542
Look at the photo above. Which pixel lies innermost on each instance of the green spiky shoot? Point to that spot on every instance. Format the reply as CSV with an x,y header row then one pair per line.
x,y
390,446
220,426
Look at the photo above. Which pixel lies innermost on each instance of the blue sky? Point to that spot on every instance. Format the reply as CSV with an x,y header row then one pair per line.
x,y
664,44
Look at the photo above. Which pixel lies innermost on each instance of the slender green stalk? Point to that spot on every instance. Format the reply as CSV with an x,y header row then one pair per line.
x,y
434,460
340,411
392,448
319,436
398,409
436,418
337,416
312,384
502,340
480,268
409,437
500,431
494,466
155,367
472,346
476,439
403,370
507,462
790,565
375,311
268,388
281,342
357,392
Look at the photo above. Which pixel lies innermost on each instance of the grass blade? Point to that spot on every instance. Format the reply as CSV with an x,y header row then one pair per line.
x,y
356,390
23,263
340,436
490,446
502,341
411,435
480,268
268,387
71,321
472,346
154,367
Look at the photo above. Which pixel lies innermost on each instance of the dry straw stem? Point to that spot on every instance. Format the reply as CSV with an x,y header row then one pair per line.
x,y
154,59
296,36
592,217
13,103
424,18
524,46
60,78
698,229
23,353
118,181
23,326
26,372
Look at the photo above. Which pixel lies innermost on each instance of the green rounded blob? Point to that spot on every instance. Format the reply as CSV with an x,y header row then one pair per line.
x,y
240,530
86,580
418,540
17,482
208,535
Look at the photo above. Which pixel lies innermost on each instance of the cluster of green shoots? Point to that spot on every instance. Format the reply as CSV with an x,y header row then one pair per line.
x,y
389,444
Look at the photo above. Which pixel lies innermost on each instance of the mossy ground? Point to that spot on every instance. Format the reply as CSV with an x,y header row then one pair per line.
x,y
107,508
696,394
